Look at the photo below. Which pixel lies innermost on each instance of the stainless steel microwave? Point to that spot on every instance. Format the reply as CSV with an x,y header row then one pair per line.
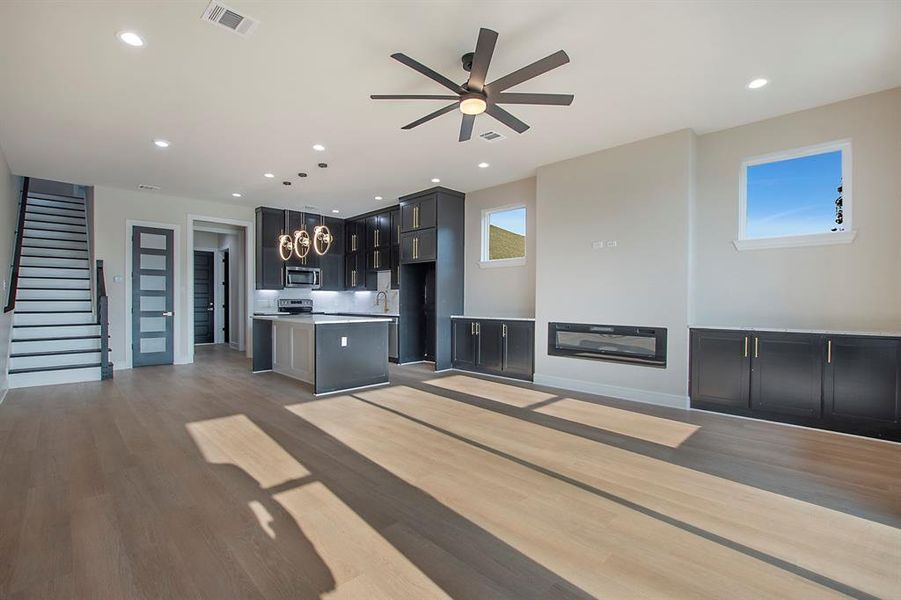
x,y
302,277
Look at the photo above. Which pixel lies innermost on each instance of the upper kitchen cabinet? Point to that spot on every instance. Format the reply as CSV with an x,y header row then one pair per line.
x,y
332,262
394,219
354,232
418,246
419,211
378,231
308,222
270,268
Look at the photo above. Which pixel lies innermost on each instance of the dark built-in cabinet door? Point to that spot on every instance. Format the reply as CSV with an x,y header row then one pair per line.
x,y
420,213
418,246
519,348
395,267
720,369
332,262
354,274
861,379
308,222
786,374
378,260
491,345
354,233
378,231
270,268
394,223
463,343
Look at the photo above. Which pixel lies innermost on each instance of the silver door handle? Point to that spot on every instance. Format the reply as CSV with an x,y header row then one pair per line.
x,y
210,309
169,313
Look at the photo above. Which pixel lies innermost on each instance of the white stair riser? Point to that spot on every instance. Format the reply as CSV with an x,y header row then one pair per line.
x,y
44,242
45,202
64,252
61,294
52,318
52,331
51,272
46,261
52,306
22,380
26,347
74,211
70,227
53,360
68,284
56,235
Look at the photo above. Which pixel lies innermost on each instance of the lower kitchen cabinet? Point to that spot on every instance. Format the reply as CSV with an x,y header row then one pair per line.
x,y
493,346
840,382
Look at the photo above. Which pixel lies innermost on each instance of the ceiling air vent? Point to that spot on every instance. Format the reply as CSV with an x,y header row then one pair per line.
x,y
492,136
221,14
145,186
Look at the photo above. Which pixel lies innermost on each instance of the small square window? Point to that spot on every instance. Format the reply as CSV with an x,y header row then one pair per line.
x,y
796,198
504,236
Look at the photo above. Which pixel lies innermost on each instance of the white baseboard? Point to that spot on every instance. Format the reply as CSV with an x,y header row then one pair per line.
x,y
614,391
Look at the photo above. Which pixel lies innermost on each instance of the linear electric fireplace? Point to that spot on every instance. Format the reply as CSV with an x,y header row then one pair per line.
x,y
640,345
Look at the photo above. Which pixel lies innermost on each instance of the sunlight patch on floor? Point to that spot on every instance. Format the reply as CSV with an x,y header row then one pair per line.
x,y
625,422
236,440
491,390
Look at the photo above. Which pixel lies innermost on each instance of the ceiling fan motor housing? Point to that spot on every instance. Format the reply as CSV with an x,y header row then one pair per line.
x,y
467,61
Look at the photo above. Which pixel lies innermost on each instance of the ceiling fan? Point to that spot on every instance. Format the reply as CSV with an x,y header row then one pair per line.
x,y
474,96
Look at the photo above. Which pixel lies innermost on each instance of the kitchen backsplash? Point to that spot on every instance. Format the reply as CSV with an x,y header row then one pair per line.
x,y
267,300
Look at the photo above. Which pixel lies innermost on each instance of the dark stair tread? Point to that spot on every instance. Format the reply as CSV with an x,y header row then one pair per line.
x,y
58,339
40,206
46,196
52,299
54,257
27,228
55,353
55,277
36,210
59,325
22,287
51,267
57,368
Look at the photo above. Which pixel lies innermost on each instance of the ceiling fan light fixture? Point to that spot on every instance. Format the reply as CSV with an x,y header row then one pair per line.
x,y
473,105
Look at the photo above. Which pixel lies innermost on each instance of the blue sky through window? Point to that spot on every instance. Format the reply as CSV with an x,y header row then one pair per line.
x,y
794,196
512,220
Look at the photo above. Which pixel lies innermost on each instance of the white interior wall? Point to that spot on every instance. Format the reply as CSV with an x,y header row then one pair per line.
x,y
507,291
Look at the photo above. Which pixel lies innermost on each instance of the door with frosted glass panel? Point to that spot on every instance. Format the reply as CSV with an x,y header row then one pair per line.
x,y
153,268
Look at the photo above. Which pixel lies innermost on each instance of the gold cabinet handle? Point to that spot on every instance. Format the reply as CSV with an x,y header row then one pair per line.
x,y
746,346
504,330
756,344
472,328
829,352
376,237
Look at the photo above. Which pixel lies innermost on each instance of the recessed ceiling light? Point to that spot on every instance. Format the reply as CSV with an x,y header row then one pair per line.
x,y
161,143
131,38
318,147
268,175
483,165
378,197
435,180
335,210
236,195
755,84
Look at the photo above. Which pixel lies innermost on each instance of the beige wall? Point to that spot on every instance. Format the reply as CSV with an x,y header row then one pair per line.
x,y
112,207
9,213
854,286
499,291
638,195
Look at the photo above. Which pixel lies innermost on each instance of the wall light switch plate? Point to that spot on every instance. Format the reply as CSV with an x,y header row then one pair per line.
x,y
117,278
597,245
343,341
611,244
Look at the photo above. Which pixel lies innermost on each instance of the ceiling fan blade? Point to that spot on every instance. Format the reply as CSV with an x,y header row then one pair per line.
x,y
434,76
506,118
481,59
537,68
412,97
548,99
466,127
431,116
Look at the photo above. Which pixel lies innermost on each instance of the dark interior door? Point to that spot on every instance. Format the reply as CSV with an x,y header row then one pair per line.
x,y
861,379
226,317
204,332
720,369
786,374
153,299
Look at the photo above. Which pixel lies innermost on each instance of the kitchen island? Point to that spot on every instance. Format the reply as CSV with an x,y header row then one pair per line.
x,y
331,353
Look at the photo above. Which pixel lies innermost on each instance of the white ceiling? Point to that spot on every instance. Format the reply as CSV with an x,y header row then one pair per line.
x,y
77,105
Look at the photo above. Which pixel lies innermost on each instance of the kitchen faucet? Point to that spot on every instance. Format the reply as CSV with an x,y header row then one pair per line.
x,y
379,296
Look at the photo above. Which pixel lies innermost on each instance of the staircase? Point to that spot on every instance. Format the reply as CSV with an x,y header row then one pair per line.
x,y
57,336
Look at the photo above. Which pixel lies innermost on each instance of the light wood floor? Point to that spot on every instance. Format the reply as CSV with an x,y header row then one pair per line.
x,y
202,481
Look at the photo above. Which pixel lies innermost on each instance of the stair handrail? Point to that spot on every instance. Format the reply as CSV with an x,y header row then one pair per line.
x,y
106,370
17,253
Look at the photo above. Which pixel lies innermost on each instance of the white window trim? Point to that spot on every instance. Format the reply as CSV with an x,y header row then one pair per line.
x,y
791,241
484,261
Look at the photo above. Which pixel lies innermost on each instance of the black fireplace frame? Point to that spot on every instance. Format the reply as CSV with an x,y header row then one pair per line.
x,y
658,333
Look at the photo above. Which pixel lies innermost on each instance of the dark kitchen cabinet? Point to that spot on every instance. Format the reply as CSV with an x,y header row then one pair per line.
x,y
395,267
845,383
378,231
394,221
270,268
418,213
720,369
378,260
354,232
332,262
303,221
354,274
418,246
494,346
862,380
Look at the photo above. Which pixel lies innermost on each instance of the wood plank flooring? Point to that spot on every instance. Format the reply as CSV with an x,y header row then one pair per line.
x,y
203,481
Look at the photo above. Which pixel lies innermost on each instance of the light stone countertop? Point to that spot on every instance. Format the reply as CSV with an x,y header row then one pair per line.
x,y
482,318
310,319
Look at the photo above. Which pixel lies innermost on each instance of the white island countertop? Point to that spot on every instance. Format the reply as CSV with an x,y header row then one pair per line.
x,y
311,319
482,318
